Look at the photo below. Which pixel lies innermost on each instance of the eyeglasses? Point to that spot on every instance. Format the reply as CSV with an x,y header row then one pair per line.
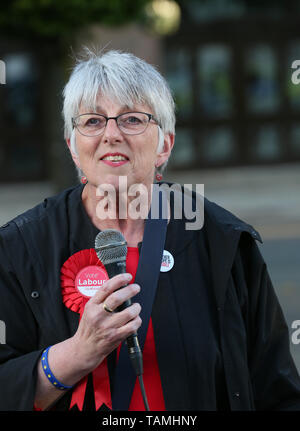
x,y
130,123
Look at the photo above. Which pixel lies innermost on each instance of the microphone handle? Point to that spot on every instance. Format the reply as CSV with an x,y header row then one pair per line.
x,y
132,341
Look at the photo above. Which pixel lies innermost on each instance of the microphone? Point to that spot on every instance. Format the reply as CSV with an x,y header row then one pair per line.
x,y
111,249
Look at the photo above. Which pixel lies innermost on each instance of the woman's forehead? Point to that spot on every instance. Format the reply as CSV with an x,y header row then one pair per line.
x,y
105,104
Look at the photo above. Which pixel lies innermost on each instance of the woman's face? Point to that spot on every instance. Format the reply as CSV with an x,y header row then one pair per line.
x,y
140,151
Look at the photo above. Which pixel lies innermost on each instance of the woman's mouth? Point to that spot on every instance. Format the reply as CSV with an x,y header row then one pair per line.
x,y
115,159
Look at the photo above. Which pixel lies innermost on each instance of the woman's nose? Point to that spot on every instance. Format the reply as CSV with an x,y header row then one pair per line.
x,y
112,130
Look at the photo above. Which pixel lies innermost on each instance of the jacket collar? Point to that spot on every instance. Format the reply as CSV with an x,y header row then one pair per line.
x,y
227,220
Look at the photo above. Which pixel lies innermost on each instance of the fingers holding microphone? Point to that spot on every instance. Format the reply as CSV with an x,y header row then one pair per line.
x,y
126,320
113,296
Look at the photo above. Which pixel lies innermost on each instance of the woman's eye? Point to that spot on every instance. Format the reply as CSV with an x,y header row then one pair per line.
x,y
92,122
133,120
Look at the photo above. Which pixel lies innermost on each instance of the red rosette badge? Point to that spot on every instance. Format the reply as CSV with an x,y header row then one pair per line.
x,y
82,275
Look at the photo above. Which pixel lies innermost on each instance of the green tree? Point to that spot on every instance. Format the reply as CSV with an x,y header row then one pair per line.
x,y
59,19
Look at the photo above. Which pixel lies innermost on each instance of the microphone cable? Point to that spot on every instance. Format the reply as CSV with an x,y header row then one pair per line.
x,y
142,387
136,357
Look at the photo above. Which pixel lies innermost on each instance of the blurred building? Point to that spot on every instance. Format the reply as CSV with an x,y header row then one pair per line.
x,y
229,65
230,68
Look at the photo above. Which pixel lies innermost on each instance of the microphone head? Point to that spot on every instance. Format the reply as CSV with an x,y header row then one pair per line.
x,y
110,246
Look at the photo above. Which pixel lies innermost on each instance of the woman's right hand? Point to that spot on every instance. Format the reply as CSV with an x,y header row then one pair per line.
x,y
99,331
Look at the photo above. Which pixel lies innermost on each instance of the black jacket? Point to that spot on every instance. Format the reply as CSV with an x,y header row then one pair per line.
x,y
259,372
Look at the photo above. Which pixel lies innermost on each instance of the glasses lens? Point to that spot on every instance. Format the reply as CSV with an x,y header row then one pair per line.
x,y
133,122
90,124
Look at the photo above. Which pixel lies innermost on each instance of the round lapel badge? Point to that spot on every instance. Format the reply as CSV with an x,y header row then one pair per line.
x,y
90,279
167,262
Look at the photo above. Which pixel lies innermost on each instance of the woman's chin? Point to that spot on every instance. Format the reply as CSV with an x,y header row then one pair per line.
x,y
115,182
120,183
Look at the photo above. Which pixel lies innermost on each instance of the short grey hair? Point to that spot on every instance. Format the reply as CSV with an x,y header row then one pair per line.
x,y
124,78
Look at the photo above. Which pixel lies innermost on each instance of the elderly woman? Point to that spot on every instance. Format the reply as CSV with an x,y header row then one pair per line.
x,y
214,337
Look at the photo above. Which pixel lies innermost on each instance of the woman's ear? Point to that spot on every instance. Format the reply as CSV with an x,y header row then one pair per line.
x,y
164,154
71,142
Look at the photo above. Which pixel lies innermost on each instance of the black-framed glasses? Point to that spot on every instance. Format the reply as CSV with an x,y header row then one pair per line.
x,y
130,123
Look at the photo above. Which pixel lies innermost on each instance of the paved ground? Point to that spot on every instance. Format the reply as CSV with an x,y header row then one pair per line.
x,y
267,198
